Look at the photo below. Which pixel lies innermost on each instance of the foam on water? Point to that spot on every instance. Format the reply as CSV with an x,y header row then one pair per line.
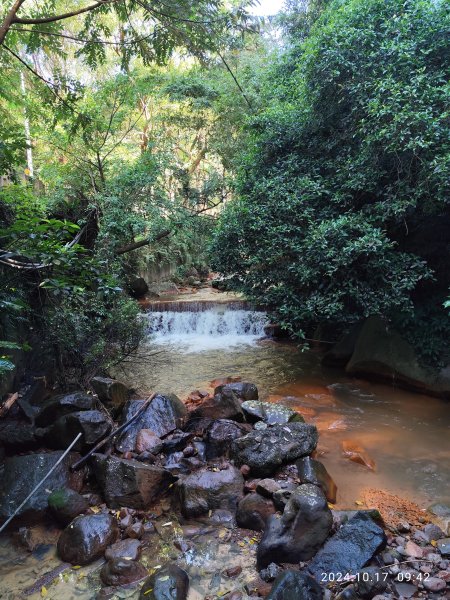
x,y
197,331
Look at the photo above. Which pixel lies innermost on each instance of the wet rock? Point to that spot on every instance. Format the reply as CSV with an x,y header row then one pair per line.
x,y
350,548
124,549
242,389
176,442
110,391
66,504
432,532
443,545
357,453
370,582
57,406
219,436
272,414
18,435
342,351
135,531
267,487
293,585
121,571
434,584
165,414
148,441
129,482
168,583
301,530
253,512
224,405
313,471
282,496
271,572
137,287
223,517
21,474
233,571
265,451
87,538
93,424
206,489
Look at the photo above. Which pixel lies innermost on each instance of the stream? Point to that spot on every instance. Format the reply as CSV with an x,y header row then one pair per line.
x,y
191,344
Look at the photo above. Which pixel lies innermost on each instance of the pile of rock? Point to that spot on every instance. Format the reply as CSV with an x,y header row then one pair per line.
x,y
230,455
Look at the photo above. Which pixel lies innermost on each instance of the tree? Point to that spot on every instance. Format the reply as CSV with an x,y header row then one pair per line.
x,y
343,194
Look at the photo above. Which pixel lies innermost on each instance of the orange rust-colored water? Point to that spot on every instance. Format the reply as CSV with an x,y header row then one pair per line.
x,y
405,435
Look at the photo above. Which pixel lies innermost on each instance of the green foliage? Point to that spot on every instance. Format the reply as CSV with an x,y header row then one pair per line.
x,y
347,170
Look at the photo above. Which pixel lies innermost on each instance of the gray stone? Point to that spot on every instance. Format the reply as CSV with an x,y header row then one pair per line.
x,y
272,414
124,549
224,405
165,414
265,451
242,389
434,584
92,424
219,436
253,512
370,582
205,489
313,471
267,487
122,571
300,531
350,548
66,504
57,406
110,390
87,538
21,474
443,545
129,482
293,585
168,583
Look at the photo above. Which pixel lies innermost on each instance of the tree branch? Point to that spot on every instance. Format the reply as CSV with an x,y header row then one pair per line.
x,y
74,13
9,19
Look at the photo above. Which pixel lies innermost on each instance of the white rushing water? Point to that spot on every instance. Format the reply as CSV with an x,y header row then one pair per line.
x,y
197,331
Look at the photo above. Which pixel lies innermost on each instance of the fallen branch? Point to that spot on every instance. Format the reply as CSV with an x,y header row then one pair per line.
x,y
7,405
66,452
109,437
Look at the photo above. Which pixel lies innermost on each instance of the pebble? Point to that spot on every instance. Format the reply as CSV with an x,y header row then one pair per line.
x,y
234,571
432,532
445,575
413,550
403,527
434,584
245,470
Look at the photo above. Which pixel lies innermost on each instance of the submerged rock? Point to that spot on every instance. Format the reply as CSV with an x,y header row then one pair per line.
x,y
121,571
66,504
242,389
219,436
301,530
264,451
87,538
350,548
253,512
93,424
293,585
313,471
21,474
168,583
206,489
57,406
129,482
224,405
165,414
129,548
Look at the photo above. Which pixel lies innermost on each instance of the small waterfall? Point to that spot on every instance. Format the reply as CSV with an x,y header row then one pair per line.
x,y
220,327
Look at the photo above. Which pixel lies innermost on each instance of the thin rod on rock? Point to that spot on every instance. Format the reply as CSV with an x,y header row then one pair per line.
x,y
60,459
109,437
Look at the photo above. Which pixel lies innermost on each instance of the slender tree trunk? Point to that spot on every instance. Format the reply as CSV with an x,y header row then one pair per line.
x,y
4,27
26,124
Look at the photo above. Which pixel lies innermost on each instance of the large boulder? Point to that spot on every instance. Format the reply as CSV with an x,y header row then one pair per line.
x,y
129,482
342,351
66,504
168,583
18,435
207,489
21,474
272,414
242,389
219,436
87,538
110,391
253,512
313,471
165,413
382,354
224,405
265,451
92,424
293,585
350,548
300,531
137,287
57,406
